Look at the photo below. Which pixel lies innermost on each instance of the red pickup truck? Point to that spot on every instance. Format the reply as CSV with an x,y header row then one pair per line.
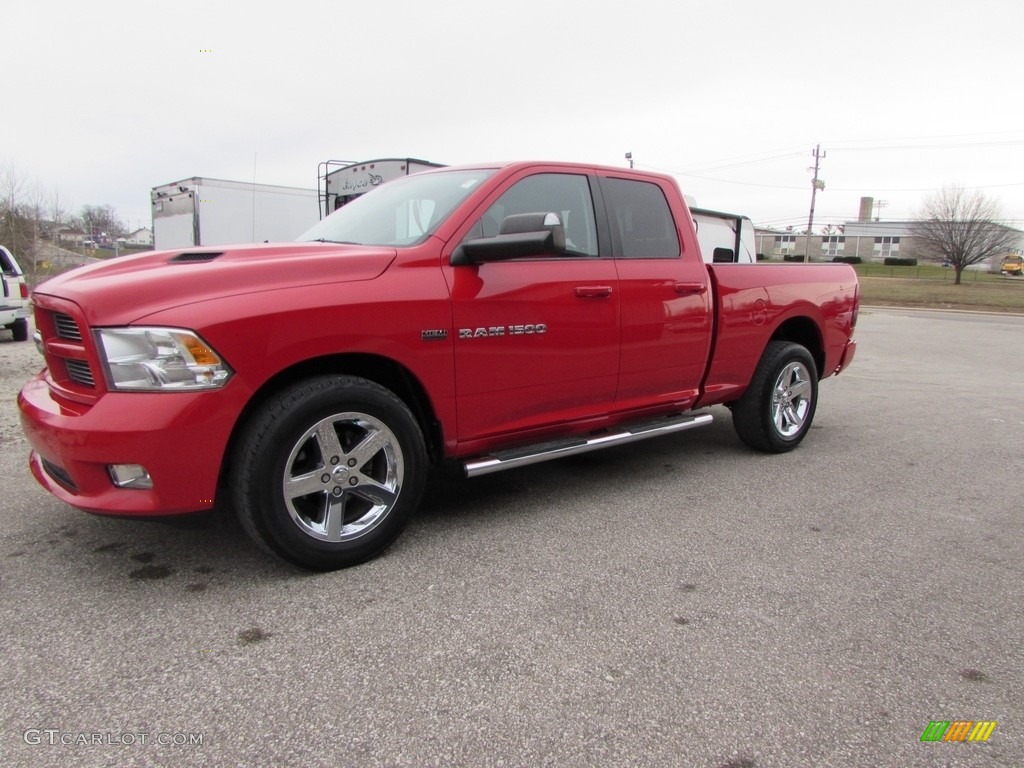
x,y
496,316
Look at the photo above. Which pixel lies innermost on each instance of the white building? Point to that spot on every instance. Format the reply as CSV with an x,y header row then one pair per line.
x,y
142,236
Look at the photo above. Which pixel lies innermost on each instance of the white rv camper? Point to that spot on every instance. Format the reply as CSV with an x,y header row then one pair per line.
x,y
341,181
724,237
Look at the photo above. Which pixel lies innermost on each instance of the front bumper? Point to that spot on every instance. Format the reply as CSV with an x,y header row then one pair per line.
x,y
180,438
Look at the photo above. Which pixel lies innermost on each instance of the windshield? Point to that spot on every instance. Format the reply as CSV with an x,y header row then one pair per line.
x,y
402,212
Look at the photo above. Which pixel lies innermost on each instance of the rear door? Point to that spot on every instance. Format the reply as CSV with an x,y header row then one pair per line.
x,y
664,292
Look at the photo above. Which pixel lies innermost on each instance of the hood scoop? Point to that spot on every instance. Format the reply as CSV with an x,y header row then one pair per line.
x,y
192,256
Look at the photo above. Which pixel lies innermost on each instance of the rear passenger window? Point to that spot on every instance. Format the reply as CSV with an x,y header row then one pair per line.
x,y
642,224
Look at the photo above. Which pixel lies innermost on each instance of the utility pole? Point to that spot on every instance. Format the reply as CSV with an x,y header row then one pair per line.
x,y
816,184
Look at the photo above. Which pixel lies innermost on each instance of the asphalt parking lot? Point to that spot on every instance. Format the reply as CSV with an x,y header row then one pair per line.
x,y
677,602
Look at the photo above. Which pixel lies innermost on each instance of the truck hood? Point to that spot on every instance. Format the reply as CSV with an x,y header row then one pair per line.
x,y
121,290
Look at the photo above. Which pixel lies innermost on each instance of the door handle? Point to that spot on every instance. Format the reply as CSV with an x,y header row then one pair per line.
x,y
593,291
690,289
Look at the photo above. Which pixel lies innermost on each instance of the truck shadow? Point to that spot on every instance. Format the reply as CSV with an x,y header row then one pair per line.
x,y
186,550
192,553
451,496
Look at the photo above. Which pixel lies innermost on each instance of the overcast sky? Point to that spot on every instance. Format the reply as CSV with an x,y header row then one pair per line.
x,y
107,99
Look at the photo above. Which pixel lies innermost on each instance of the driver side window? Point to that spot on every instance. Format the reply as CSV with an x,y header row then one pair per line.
x,y
566,194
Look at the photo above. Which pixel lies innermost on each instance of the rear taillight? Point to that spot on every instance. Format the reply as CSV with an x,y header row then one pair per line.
x,y
24,291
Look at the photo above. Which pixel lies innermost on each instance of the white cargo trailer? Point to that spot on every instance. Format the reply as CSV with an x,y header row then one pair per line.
x,y
206,212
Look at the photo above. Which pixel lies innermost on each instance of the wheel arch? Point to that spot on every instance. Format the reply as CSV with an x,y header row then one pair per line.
x,y
805,332
380,370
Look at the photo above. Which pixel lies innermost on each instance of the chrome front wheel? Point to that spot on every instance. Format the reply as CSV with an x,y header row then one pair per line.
x,y
329,471
343,476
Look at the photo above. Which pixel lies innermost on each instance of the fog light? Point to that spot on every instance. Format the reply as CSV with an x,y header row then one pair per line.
x,y
129,476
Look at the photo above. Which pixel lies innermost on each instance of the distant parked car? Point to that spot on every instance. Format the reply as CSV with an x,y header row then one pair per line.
x,y
13,296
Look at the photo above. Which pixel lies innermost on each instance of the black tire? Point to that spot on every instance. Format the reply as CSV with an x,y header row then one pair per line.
x,y
777,409
20,329
328,472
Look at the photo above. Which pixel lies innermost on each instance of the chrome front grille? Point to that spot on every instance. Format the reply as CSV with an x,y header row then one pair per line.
x,y
66,327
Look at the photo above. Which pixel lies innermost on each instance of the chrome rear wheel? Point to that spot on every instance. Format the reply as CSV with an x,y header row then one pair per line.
x,y
777,408
791,403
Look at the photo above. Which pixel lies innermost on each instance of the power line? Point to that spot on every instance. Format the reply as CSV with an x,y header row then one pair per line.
x,y
699,170
940,136
848,145
726,164
972,145
841,189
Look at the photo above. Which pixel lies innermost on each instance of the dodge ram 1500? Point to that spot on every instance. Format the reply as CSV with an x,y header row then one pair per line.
x,y
494,316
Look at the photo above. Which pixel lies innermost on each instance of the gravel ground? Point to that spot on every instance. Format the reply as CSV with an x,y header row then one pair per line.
x,y
678,602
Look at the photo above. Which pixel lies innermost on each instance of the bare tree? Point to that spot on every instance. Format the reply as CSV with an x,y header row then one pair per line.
x,y
11,185
56,210
15,225
102,220
29,215
44,214
963,228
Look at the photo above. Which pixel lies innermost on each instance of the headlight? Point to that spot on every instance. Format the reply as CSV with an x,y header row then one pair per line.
x,y
159,359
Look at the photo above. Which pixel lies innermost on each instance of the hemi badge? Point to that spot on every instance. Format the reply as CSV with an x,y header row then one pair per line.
x,y
438,335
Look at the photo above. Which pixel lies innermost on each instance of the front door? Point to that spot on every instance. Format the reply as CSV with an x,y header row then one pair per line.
x,y
536,338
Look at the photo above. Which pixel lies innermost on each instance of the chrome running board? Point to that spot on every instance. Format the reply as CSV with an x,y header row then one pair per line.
x,y
534,454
